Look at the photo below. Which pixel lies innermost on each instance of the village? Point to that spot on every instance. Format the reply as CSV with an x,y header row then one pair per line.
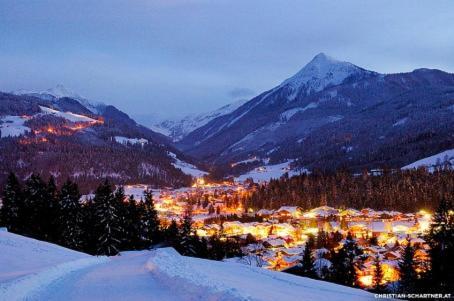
x,y
275,239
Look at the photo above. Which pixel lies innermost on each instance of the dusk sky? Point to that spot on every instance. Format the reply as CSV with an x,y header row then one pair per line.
x,y
168,58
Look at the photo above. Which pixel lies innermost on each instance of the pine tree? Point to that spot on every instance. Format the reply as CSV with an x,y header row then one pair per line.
x,y
352,251
172,235
132,225
186,237
441,242
322,239
407,269
150,220
12,205
71,216
122,220
37,208
51,211
343,268
106,227
307,261
378,275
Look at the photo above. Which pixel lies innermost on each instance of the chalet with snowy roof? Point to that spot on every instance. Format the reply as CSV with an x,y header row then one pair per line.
x,y
288,212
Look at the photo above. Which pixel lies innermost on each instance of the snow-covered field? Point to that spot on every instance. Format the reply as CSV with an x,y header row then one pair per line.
x,y
35,270
186,167
13,126
433,161
268,172
125,140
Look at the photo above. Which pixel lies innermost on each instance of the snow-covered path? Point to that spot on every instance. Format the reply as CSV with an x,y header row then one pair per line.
x,y
122,278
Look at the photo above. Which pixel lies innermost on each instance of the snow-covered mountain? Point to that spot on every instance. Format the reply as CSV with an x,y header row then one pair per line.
x,y
178,129
60,91
59,136
321,72
333,114
36,270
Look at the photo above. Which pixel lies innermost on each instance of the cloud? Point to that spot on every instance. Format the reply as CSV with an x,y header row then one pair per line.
x,y
241,93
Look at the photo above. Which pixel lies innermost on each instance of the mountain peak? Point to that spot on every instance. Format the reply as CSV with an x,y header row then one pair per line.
x,y
322,71
59,91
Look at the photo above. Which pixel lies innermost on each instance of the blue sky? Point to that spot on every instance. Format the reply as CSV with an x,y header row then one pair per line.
x,y
168,58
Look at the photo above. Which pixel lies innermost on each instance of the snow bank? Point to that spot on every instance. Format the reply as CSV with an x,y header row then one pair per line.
x,y
433,161
13,126
21,255
215,280
23,288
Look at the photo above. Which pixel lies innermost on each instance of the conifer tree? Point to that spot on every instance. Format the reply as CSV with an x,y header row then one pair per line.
x,y
307,261
122,220
12,205
106,227
407,270
378,275
441,242
172,235
71,216
51,211
186,237
133,237
37,206
322,239
150,220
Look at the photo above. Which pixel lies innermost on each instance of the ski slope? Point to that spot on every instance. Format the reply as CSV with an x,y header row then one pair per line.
x,y
35,270
437,160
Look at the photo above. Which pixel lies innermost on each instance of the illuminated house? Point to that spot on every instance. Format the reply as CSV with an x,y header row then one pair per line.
x,y
287,212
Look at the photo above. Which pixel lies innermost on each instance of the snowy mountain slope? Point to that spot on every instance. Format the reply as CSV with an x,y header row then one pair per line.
x,y
333,114
178,129
187,168
43,137
20,255
437,160
214,280
60,91
323,71
13,126
267,172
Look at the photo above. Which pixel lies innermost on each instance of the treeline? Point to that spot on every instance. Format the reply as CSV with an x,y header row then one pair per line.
x,y
416,276
108,223
402,190
87,163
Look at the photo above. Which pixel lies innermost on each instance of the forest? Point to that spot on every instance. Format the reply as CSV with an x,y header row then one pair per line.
x,y
400,190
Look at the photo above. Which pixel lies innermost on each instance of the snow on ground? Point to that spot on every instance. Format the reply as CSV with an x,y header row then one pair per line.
x,y
20,255
186,167
125,140
401,121
216,280
67,115
123,277
13,126
433,161
268,172
35,270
